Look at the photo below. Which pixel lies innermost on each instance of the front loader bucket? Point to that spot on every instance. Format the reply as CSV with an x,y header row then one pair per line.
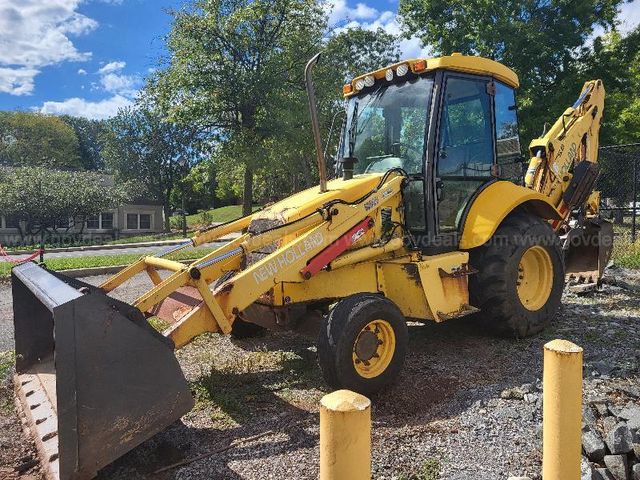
x,y
589,254
94,379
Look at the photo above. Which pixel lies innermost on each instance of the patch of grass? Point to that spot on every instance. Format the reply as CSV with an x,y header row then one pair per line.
x,y
7,362
105,260
429,470
222,214
626,253
260,380
159,324
146,238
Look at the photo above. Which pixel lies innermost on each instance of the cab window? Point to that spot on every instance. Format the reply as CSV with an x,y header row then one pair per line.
x,y
509,155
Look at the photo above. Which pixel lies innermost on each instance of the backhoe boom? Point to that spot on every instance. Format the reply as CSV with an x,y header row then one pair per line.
x,y
572,139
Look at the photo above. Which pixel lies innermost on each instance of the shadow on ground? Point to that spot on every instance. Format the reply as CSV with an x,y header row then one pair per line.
x,y
450,367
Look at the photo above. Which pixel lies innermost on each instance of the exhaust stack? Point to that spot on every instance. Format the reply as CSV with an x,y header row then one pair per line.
x,y
315,126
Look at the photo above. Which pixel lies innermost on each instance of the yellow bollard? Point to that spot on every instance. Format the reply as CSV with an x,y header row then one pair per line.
x,y
345,436
562,411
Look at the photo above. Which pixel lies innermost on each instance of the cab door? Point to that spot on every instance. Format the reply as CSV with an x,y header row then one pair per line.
x,y
471,141
465,149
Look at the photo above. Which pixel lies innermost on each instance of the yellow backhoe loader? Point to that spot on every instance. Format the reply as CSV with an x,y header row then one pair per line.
x,y
431,220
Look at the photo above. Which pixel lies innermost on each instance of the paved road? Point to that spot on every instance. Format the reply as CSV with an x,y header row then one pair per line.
x,y
98,252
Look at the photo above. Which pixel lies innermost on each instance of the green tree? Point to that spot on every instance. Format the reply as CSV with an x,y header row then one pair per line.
x,y
615,59
230,61
540,39
354,52
33,139
141,145
290,152
198,187
45,200
89,145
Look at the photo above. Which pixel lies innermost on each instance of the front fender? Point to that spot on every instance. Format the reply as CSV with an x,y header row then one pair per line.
x,y
494,203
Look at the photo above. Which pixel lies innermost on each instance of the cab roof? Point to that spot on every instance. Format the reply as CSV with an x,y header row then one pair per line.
x,y
455,62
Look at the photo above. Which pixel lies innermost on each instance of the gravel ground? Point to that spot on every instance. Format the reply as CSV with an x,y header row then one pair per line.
x,y
466,404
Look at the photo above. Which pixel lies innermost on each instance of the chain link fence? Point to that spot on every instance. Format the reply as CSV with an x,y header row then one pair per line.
x,y
619,186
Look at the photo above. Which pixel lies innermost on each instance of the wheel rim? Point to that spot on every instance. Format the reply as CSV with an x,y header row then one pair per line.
x,y
374,348
535,278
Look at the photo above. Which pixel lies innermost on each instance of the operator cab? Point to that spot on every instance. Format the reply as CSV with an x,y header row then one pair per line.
x,y
450,123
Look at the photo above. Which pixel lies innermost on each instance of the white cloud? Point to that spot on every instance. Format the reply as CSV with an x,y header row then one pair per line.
x,y
123,89
82,71
114,81
17,81
34,34
121,84
112,67
629,16
79,107
338,11
364,11
342,17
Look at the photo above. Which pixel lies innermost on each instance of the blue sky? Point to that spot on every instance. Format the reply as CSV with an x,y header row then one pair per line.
x,y
89,57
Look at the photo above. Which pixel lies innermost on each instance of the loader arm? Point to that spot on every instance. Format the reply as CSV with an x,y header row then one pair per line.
x,y
319,237
557,167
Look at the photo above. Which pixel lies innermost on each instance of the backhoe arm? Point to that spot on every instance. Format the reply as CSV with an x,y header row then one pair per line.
x,y
564,159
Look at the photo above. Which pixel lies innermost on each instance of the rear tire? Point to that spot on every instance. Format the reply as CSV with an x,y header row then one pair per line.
x,y
521,277
362,343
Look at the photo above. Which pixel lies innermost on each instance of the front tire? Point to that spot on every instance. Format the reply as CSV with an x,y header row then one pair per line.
x,y
521,277
363,343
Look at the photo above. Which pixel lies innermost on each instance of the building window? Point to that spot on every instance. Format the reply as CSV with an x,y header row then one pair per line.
x,y
145,221
93,222
11,222
138,221
104,221
132,221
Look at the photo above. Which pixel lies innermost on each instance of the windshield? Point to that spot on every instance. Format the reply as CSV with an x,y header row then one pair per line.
x,y
385,128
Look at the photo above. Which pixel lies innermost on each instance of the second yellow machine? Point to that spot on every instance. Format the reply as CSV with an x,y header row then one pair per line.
x,y
433,219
